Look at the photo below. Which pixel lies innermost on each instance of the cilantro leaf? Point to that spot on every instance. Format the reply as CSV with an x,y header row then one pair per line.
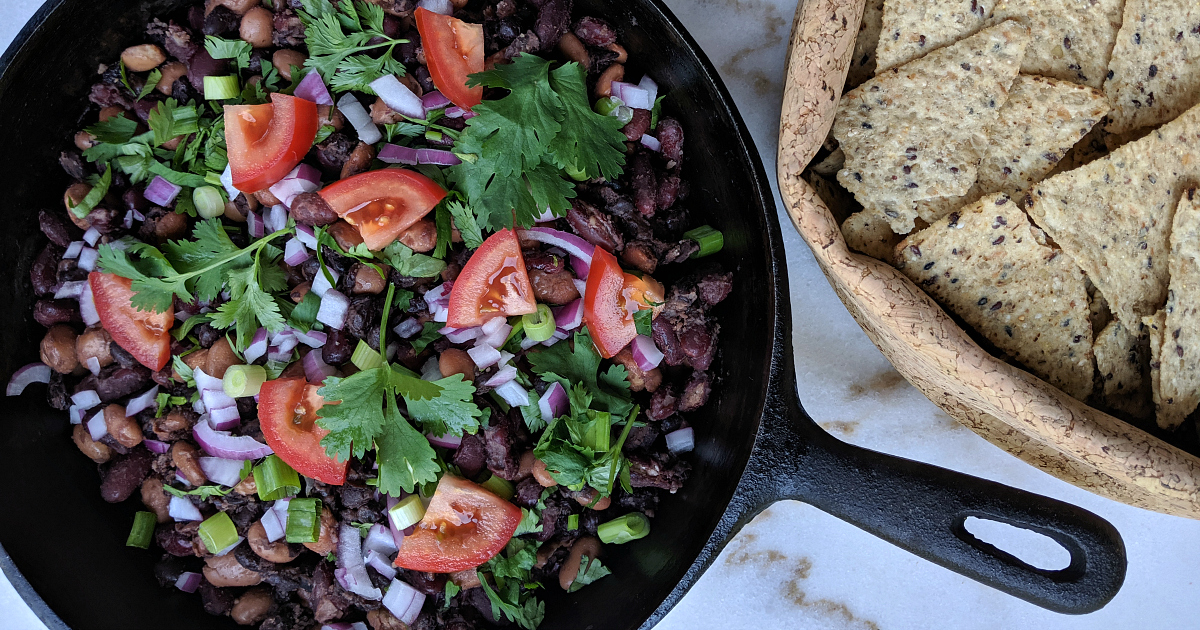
x,y
406,262
99,189
338,34
358,419
405,457
169,119
531,523
592,570
250,305
465,222
236,49
581,365
152,80
643,319
588,142
115,130
204,492
430,332
452,411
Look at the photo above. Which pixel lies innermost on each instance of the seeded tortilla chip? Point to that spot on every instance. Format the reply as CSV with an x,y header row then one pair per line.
x,y
1122,363
870,234
862,65
1072,39
1113,216
1154,325
988,264
913,28
1039,124
918,131
1154,74
1179,357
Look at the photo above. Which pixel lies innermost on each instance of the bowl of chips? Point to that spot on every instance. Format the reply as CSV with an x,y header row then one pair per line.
x,y
1003,193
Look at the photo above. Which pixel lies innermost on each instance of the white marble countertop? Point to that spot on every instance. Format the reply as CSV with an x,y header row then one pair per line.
x,y
796,567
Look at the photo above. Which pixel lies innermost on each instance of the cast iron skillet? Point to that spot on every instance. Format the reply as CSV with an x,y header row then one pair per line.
x,y
64,548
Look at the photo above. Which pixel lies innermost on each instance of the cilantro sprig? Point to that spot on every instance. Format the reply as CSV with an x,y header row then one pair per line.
x,y
337,35
516,149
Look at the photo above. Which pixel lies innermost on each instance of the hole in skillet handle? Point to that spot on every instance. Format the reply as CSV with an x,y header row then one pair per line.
x,y
1037,550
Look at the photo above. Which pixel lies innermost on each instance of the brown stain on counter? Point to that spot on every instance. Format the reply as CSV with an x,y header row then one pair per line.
x,y
840,427
773,31
881,382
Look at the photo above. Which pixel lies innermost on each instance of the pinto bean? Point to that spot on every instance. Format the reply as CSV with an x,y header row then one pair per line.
x,y
267,198
588,498
465,579
252,607
170,226
541,475
94,342
220,357
227,571
346,235
328,538
615,72
85,140
94,450
553,288
585,546
240,7
359,160
526,469
574,49
58,349
299,291
639,379
154,498
143,57
123,429
278,552
381,619
187,459
171,73
420,236
284,59
197,359
622,54
312,209
257,27
454,361
367,280
327,115
170,425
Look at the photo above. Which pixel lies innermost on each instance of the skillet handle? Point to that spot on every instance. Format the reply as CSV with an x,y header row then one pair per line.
x,y
922,508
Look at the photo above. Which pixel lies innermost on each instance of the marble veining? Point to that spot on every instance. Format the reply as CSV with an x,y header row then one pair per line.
x,y
794,566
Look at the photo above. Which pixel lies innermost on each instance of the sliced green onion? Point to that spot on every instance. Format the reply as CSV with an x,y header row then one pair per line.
x,y
539,325
221,88
218,532
275,479
208,200
304,520
623,114
607,105
243,380
408,512
711,241
433,135
143,530
576,173
623,529
598,435
573,522
500,487
364,357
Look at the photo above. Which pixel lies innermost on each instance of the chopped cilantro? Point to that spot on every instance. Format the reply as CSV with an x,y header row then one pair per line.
x,y
452,589
170,119
115,130
511,569
559,362
405,130
465,222
236,49
338,34
99,189
656,111
152,80
531,523
592,570
406,262
323,133
429,334
642,319
204,492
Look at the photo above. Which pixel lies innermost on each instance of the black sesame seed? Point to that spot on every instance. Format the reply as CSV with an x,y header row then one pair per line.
x,y
907,169
966,66
998,240
982,301
1153,70
929,265
997,305
912,184
1067,43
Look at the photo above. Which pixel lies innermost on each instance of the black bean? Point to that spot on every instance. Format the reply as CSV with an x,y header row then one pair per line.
x,y
122,476
112,384
51,312
55,228
44,272
338,348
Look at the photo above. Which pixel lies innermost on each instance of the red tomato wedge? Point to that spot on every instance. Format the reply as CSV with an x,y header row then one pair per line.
x,y
384,203
610,300
453,50
267,141
464,526
493,282
287,411
144,334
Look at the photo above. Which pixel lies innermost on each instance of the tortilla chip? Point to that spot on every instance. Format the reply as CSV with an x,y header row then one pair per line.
x,y
1072,39
1154,325
1039,124
870,234
988,264
1122,363
1154,74
1179,357
1113,216
918,131
862,64
1098,310
913,28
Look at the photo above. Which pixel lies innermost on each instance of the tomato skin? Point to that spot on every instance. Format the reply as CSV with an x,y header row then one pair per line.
x,y
144,334
475,298
267,141
610,299
295,437
453,50
439,544
384,203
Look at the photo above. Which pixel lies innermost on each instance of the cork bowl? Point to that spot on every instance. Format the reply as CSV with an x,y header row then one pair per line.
x,y
1011,408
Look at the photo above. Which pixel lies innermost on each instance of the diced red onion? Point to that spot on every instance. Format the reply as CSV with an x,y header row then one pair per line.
x,y
431,371
380,563
227,183
146,400
87,259
632,95
397,96
286,340
568,317
379,539
554,402
76,414
457,335
359,119
224,418
513,393
91,237
396,154
454,111
275,219
321,283
312,88
181,509
527,343
651,88
579,266
161,192
189,581
410,327
227,472
439,294
156,446
502,376
569,243
93,365
278,356
222,444
581,286
441,314
128,221
306,235
650,142
204,382
137,215
71,289
351,571
403,601
437,6
254,223
439,157
73,250
271,525
445,441
484,355
497,338
343,625
312,338
87,307
34,373
645,353
505,357
681,440
179,478
302,179
333,309
435,99
198,406
257,347
316,370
